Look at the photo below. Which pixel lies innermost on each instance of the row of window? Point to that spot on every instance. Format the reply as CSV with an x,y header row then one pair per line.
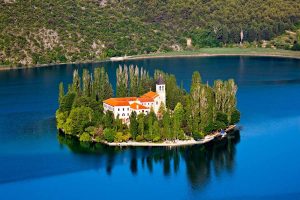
x,y
123,109
127,114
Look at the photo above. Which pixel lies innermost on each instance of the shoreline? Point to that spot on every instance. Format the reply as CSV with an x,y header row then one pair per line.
x,y
153,56
175,143
183,54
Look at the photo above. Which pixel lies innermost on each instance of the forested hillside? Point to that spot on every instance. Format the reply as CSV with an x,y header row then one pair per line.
x,y
49,31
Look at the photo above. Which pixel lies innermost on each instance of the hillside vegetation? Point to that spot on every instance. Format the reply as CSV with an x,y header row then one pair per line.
x,y
53,31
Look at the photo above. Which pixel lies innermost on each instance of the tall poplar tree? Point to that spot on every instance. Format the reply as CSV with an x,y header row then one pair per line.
x,y
177,119
195,100
61,93
76,82
122,81
86,83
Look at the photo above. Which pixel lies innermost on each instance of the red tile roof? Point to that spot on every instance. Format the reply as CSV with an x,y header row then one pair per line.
x,y
150,95
124,101
136,106
145,99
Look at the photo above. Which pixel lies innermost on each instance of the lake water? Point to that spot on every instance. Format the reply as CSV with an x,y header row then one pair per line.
x,y
263,163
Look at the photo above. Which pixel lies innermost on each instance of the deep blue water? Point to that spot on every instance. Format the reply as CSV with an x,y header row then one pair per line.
x,y
264,163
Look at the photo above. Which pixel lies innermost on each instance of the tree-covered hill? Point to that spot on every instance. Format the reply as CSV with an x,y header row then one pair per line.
x,y
36,32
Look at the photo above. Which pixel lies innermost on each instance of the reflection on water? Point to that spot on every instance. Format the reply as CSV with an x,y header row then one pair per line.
x,y
200,161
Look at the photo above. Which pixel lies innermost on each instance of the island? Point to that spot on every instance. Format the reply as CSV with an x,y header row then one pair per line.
x,y
145,110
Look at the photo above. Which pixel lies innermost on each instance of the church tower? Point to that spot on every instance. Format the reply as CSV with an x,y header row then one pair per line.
x,y
161,89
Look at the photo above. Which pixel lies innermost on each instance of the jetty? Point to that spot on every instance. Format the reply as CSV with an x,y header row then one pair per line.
x,y
174,143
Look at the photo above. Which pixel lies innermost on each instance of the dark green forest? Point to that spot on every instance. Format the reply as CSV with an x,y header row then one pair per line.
x,y
57,31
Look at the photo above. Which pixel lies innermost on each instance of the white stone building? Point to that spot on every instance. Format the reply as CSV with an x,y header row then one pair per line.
x,y
123,106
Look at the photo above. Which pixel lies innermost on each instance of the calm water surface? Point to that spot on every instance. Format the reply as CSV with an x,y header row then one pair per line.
x,y
263,163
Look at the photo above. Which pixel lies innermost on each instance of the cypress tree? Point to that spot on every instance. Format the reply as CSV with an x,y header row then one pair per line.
x,y
141,122
133,127
166,125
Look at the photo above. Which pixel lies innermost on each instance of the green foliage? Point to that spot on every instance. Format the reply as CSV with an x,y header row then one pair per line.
x,y
141,122
213,126
118,137
79,119
235,117
61,118
177,119
222,117
86,83
139,138
102,89
133,127
109,119
87,102
66,102
198,135
109,134
296,47
204,38
61,92
67,31
85,137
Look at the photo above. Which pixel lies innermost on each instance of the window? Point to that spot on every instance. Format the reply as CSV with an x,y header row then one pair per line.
x,y
157,103
118,109
142,110
123,114
128,109
127,114
123,109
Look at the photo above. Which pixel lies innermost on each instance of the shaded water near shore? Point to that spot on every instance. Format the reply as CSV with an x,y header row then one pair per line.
x,y
263,163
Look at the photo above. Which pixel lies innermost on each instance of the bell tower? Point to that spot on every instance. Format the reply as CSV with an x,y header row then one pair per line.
x,y
161,89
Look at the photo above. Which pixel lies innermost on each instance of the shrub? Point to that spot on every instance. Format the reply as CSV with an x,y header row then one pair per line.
x,y
61,118
79,119
148,137
235,117
213,126
85,137
156,138
296,47
98,139
119,137
109,135
67,102
139,138
126,137
198,135
181,135
222,117
90,130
